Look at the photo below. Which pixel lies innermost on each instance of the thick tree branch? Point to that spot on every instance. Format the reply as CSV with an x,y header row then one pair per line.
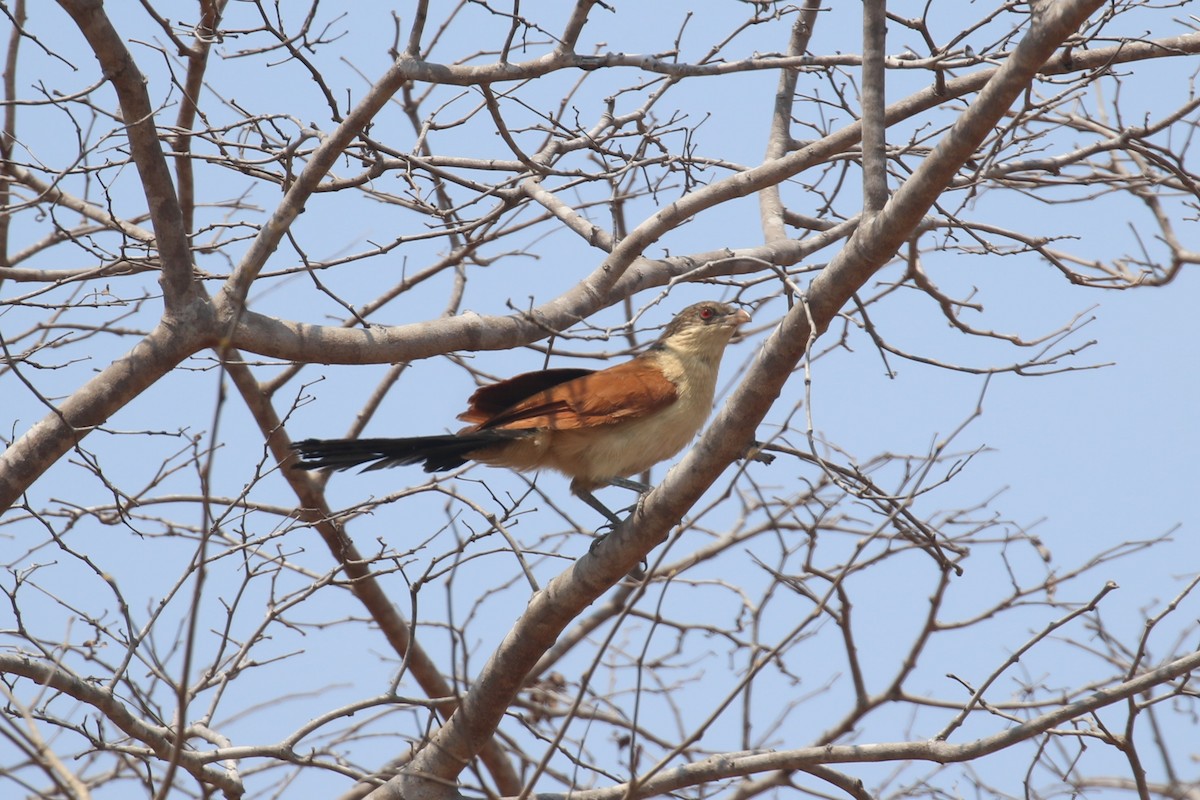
x,y
119,67
779,136
874,125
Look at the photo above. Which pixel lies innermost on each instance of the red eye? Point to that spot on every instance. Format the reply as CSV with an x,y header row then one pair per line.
x,y
707,312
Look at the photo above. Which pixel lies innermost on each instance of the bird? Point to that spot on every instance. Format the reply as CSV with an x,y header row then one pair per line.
x,y
596,427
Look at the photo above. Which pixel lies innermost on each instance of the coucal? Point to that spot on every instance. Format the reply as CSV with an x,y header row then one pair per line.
x,y
596,427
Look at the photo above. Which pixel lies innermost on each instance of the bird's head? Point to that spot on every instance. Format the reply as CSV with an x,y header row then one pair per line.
x,y
702,329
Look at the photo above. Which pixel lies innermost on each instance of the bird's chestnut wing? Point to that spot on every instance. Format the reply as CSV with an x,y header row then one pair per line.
x,y
496,398
627,391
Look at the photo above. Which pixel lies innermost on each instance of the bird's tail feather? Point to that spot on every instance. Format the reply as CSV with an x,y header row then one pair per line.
x,y
435,453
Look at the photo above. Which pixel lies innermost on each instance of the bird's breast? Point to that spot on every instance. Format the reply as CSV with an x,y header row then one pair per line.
x,y
624,448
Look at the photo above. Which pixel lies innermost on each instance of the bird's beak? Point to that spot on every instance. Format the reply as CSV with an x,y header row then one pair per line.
x,y
735,321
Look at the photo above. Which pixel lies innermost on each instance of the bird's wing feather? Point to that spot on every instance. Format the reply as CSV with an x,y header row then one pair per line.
x,y
631,390
495,398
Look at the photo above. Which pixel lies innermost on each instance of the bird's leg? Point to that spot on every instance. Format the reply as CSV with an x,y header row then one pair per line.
x,y
637,573
626,483
642,490
591,500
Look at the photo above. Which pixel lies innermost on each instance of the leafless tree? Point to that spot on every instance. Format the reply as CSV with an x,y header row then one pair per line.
x,y
191,227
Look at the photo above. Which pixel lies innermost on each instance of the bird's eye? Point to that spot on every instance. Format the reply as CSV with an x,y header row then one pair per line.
x,y
707,312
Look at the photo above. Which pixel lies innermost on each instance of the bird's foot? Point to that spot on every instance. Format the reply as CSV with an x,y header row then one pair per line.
x,y
638,573
597,538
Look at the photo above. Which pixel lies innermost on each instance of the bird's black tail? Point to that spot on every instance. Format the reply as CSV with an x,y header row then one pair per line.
x,y
436,453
